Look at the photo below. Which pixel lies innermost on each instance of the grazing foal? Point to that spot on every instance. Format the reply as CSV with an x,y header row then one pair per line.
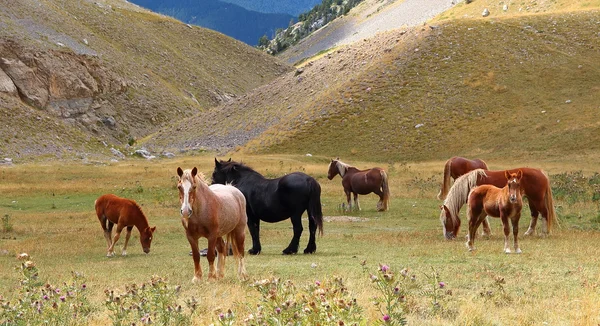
x,y
505,203
123,212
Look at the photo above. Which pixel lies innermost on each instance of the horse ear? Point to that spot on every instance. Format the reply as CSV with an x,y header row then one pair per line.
x,y
217,164
194,172
229,160
153,229
507,175
179,172
519,174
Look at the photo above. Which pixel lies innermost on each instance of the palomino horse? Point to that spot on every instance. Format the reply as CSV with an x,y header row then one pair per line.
x,y
505,203
535,185
124,212
212,212
361,182
455,167
274,200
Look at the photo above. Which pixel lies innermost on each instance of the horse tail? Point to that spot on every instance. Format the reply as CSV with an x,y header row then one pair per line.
x,y
549,202
446,182
386,190
314,204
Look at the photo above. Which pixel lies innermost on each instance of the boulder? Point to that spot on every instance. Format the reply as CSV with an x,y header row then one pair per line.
x,y
31,86
7,85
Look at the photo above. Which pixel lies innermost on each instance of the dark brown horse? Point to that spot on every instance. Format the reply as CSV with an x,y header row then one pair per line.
x,y
123,212
212,212
505,203
455,167
361,182
535,185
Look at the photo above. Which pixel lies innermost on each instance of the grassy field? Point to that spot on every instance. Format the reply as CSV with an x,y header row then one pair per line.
x,y
556,281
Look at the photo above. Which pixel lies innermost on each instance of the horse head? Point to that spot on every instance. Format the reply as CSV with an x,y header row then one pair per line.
x,y
225,172
450,223
514,185
332,171
187,186
146,238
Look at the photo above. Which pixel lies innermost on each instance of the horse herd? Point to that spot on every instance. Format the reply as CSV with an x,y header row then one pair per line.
x,y
240,197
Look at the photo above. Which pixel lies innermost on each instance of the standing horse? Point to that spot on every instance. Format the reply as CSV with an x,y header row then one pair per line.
x,y
455,167
535,185
361,182
274,200
212,212
505,203
112,210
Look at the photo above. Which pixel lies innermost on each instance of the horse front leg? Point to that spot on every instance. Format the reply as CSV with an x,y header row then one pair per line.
x,y
312,243
348,200
254,228
196,256
127,236
356,202
506,228
221,255
210,255
515,226
297,226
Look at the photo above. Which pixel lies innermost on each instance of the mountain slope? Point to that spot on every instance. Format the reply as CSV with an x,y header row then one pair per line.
x,y
513,87
160,69
230,19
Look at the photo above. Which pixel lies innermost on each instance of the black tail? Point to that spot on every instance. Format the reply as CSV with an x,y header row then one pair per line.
x,y
314,204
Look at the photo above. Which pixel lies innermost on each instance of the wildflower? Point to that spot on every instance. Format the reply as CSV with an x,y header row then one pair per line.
x,y
396,290
57,291
384,268
317,283
442,285
404,272
29,264
373,278
221,316
63,298
83,286
386,318
277,310
23,256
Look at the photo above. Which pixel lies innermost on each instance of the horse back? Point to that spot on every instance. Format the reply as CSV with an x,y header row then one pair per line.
x,y
231,207
533,183
119,210
363,182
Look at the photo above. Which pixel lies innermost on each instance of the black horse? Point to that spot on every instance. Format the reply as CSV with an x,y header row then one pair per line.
x,y
274,200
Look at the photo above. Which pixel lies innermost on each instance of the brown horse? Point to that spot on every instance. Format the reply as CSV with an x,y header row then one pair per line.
x,y
455,167
212,212
505,203
124,212
535,185
361,182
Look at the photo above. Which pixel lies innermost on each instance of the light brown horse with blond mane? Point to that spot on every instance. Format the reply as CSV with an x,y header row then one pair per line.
x,y
125,213
361,182
535,185
454,168
212,212
505,203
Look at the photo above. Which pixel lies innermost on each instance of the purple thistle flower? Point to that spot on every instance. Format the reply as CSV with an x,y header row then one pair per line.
x,y
62,298
442,285
57,291
318,283
221,316
46,297
386,318
83,286
385,268
278,310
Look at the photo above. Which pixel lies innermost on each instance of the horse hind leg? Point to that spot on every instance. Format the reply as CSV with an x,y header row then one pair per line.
x,y
487,231
237,241
222,249
534,217
210,255
127,236
107,229
356,202
311,248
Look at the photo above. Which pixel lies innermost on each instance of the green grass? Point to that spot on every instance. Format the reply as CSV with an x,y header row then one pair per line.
x,y
555,280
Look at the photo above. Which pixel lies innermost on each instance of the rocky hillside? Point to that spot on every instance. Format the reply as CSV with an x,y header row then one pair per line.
x,y
77,77
522,85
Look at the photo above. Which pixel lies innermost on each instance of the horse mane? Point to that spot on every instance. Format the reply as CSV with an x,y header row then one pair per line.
x,y
459,192
199,176
342,167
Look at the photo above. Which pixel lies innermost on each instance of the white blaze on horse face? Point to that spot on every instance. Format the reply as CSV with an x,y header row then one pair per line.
x,y
186,207
512,190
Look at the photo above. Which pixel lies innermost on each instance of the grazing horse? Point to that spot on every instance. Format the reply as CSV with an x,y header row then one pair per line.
x,y
361,182
505,203
274,200
455,167
535,185
212,212
124,212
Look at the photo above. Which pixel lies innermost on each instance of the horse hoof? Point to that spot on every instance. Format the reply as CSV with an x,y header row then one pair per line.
x,y
507,251
253,251
289,252
310,251
124,253
518,251
196,279
530,232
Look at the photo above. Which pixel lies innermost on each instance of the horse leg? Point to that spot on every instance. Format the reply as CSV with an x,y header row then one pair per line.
x,y
210,255
506,228
127,236
312,244
515,226
111,251
107,227
534,216
487,231
238,239
196,256
475,219
348,199
222,254
297,225
254,228
356,201
379,193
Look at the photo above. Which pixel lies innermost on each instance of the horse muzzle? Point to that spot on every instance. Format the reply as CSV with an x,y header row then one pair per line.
x,y
146,250
186,212
513,199
450,235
